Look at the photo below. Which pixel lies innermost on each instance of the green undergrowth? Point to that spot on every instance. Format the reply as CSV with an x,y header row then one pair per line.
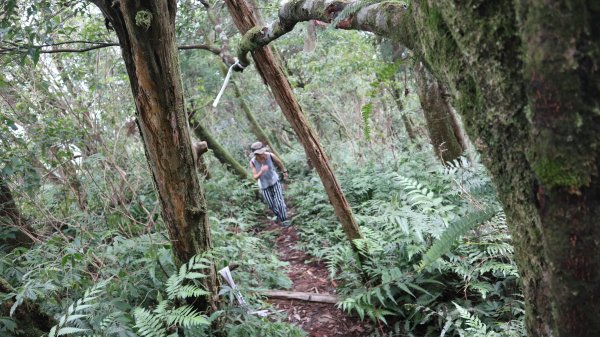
x,y
107,282
439,254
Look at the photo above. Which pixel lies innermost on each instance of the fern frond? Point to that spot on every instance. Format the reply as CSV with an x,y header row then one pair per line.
x,y
185,316
453,232
425,199
504,269
371,243
366,111
189,291
188,271
75,312
476,328
148,324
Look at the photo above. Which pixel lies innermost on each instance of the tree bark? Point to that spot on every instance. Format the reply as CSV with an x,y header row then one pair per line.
x,y
524,76
303,296
408,124
30,319
10,216
146,33
291,109
458,128
437,112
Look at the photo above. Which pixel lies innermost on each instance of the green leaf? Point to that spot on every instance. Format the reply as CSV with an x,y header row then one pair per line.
x,y
70,330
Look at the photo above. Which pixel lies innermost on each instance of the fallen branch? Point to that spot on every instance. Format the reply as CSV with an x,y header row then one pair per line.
x,y
297,295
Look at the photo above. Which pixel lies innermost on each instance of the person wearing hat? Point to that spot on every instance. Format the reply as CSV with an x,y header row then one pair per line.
x,y
263,171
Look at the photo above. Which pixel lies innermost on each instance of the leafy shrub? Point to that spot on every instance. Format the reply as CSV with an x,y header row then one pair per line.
x,y
439,255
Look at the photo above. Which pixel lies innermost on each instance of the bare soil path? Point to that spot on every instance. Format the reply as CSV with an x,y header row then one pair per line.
x,y
317,319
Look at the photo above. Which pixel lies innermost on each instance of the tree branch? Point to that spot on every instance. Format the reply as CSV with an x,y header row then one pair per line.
x,y
97,45
384,18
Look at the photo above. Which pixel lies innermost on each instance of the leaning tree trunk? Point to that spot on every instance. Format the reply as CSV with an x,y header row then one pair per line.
x,y
408,124
219,151
146,32
524,76
438,115
255,127
275,78
226,56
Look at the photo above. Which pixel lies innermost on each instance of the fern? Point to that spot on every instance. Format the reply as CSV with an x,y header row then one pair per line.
x,y
148,324
185,316
75,312
425,199
453,232
166,314
366,111
401,207
475,327
372,242
187,271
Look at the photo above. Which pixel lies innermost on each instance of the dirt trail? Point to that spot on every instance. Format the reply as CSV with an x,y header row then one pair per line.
x,y
317,319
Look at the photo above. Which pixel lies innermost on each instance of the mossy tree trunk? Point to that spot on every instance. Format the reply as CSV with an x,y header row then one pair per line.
x,y
219,151
524,75
273,74
146,33
406,120
255,127
438,115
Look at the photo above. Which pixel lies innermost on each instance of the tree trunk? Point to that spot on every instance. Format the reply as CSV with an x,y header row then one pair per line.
x,y
255,127
408,124
526,120
228,59
525,78
562,81
30,319
273,74
11,217
437,112
146,32
220,152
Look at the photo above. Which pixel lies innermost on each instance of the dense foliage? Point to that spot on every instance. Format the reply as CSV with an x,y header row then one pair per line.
x,y
100,264
419,279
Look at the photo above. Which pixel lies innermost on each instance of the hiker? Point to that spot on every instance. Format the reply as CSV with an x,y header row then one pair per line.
x,y
263,170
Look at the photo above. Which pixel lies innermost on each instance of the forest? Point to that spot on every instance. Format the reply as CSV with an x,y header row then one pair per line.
x,y
432,168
